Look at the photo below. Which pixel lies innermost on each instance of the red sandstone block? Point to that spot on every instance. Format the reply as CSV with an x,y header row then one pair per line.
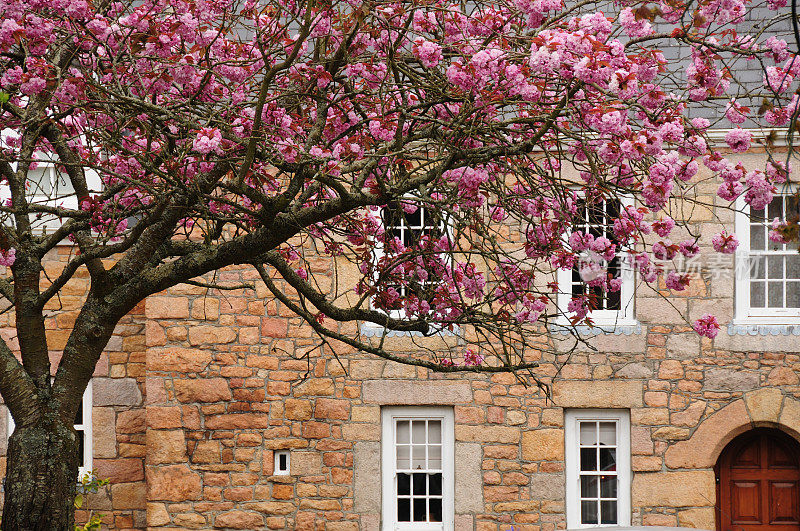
x,y
119,470
237,421
274,327
316,430
329,408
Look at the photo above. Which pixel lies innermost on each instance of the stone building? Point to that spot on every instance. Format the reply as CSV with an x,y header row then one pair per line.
x,y
203,415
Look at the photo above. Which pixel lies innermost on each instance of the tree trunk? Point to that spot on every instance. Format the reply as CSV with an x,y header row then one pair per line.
x,y
41,478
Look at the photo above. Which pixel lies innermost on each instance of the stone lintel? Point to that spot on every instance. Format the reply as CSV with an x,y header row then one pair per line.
x,y
416,393
599,394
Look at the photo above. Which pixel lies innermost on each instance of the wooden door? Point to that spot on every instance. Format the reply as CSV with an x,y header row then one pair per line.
x,y
758,485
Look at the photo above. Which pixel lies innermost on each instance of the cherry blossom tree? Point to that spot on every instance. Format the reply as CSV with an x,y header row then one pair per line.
x,y
185,136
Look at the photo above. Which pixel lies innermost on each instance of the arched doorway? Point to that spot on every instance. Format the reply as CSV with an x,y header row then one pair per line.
x,y
758,483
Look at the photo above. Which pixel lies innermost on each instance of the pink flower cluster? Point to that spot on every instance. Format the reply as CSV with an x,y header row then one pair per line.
x,y
8,257
208,140
725,243
707,326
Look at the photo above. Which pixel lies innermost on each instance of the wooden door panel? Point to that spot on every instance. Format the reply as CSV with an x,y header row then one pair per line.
x,y
746,498
784,507
759,483
781,457
748,457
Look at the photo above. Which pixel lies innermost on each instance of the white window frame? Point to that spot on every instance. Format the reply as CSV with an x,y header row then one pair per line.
x,y
744,314
625,316
50,223
389,470
86,426
572,418
369,328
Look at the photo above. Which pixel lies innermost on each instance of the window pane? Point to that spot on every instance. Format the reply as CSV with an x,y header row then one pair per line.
x,y
758,240
588,433
403,484
614,300
434,457
608,459
608,433
403,510
418,432
420,510
608,486
775,208
434,431
609,512
757,266
588,459
793,294
435,484
793,266
418,457
757,298
435,509
79,414
775,294
402,432
774,267
588,486
757,214
589,512
81,437
420,484
403,457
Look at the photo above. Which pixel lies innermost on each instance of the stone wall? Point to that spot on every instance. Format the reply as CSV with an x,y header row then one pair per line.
x,y
224,392
198,388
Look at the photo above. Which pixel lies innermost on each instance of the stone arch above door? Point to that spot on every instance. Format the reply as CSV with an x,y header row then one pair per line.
x,y
764,407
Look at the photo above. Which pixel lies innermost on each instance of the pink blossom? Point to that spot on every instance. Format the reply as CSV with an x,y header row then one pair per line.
x,y
663,226
778,47
687,169
776,233
664,250
689,248
34,85
429,53
777,79
676,281
580,241
729,191
8,257
579,306
760,191
590,271
778,170
472,359
208,139
738,140
604,247
725,243
634,27
707,326
735,113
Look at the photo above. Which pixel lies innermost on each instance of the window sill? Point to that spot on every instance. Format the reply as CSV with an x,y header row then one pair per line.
x,y
625,327
373,330
752,327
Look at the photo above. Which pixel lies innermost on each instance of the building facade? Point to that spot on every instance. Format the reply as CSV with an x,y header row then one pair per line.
x,y
215,410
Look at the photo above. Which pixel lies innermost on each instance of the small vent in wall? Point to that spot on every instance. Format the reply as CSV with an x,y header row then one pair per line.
x,y
282,462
